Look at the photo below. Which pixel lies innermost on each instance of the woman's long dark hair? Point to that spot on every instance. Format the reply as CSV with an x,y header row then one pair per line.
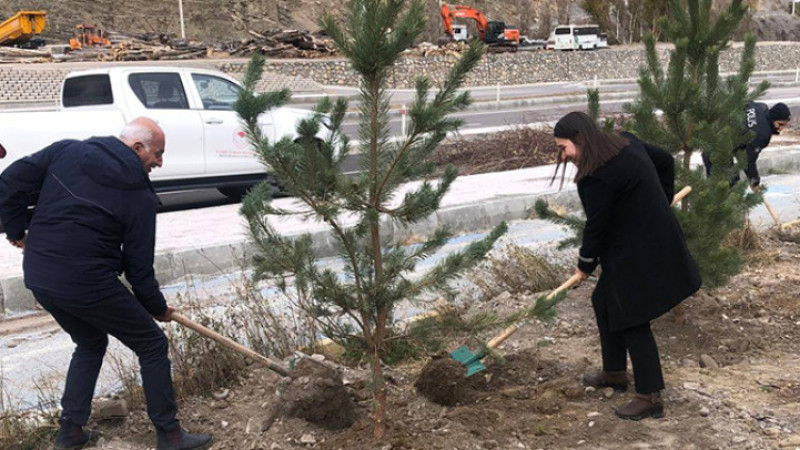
x,y
595,147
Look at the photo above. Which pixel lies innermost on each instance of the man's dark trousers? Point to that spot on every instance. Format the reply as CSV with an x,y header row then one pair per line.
x,y
89,322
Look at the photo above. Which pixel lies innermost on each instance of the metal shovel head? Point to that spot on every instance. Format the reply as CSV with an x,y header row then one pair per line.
x,y
471,360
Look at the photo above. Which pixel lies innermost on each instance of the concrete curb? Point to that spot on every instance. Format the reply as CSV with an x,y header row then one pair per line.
x,y
180,264
174,266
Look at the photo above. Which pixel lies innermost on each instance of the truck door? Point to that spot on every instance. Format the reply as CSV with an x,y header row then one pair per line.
x,y
162,97
227,149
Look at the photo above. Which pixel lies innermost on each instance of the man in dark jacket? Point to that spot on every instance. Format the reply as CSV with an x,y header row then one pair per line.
x,y
763,122
95,219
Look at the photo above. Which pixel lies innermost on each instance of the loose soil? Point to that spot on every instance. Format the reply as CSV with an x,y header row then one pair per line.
x,y
746,395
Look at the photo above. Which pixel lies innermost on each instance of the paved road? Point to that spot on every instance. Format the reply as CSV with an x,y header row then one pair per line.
x,y
475,121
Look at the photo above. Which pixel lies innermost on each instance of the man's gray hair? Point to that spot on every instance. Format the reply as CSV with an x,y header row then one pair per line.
x,y
136,132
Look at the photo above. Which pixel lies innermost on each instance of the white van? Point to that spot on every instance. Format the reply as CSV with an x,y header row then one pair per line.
x,y
576,37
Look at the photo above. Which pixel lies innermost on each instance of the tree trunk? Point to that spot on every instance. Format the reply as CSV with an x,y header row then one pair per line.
x,y
379,430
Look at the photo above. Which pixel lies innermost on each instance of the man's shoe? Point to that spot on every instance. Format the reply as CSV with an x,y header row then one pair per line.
x,y
641,407
602,379
74,437
178,439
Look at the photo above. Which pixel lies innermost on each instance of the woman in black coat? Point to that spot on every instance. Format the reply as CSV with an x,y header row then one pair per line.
x,y
626,188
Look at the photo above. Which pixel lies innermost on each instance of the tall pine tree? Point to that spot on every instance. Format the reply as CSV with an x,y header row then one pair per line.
x,y
377,272
702,112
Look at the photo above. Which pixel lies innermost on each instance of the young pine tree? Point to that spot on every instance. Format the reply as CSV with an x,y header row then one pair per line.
x,y
702,112
377,272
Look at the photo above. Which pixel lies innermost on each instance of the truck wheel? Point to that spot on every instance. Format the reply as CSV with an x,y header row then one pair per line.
x,y
234,193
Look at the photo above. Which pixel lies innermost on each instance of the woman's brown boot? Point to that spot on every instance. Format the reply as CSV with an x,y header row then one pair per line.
x,y
602,379
641,407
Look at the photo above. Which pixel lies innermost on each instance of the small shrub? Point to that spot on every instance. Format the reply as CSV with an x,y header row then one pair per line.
x,y
516,269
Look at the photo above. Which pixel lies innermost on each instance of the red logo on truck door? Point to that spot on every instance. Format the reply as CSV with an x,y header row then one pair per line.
x,y
240,139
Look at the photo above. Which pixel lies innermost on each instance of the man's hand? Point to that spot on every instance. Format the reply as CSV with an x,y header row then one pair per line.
x,y
167,316
581,274
19,244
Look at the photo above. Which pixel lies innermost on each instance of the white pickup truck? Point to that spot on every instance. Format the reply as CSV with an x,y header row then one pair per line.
x,y
205,141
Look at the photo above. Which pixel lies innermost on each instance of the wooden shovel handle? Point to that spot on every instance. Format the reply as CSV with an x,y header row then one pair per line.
x,y
771,211
679,196
575,279
230,343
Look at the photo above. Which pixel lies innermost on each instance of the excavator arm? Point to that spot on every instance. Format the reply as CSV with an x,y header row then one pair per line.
x,y
464,12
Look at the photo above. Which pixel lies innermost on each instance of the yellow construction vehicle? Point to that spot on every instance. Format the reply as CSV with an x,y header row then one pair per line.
x,y
24,29
88,36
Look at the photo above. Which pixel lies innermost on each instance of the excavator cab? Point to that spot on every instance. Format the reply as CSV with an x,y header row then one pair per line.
x,y
495,32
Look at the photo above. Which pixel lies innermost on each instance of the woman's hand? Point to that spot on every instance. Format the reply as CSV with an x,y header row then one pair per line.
x,y
581,274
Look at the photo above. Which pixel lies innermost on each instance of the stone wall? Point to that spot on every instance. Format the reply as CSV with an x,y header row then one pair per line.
x,y
532,67
39,83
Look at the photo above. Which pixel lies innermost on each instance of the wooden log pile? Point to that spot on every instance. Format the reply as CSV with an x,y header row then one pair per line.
x,y
140,47
19,55
281,44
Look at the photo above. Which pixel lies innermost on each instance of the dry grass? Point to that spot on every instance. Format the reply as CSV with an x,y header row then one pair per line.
x,y
28,429
517,270
517,148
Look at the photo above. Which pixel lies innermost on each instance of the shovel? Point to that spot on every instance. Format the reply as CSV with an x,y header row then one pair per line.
x,y
230,343
473,361
772,212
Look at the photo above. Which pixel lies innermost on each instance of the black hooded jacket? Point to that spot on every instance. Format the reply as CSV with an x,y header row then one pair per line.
x,y
757,121
95,219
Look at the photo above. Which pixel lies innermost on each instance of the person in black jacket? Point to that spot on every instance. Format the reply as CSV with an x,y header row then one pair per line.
x,y
763,122
626,188
95,219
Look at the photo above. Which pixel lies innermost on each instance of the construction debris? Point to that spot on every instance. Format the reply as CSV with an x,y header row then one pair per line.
x,y
281,44
166,46
17,55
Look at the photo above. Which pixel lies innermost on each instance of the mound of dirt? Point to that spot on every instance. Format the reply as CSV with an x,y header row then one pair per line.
x,y
443,382
316,394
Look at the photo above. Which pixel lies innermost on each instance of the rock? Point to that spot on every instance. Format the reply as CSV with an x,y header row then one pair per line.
x,y
224,424
792,441
591,424
704,412
503,296
490,445
254,425
110,409
222,395
589,389
706,361
772,431
689,386
689,363
593,414
608,392
275,446
307,439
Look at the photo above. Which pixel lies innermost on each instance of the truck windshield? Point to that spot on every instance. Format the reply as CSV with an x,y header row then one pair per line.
x,y
217,94
87,90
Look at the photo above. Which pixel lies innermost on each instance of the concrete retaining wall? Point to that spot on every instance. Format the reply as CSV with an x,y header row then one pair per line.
x,y
39,83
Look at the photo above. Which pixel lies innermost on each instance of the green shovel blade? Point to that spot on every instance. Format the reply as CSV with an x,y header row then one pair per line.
x,y
472,361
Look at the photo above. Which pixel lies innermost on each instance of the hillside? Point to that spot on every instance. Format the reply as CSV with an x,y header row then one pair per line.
x,y
212,20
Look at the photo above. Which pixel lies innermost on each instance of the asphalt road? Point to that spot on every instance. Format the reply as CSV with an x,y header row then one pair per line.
x,y
477,121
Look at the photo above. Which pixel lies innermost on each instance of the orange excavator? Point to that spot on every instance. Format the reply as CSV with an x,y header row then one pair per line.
x,y
88,36
492,32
